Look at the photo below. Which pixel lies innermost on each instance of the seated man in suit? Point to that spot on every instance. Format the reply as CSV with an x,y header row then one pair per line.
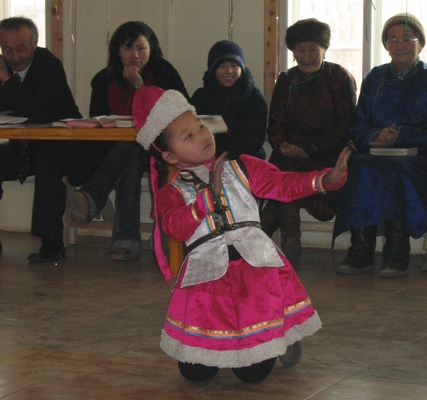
x,y
34,85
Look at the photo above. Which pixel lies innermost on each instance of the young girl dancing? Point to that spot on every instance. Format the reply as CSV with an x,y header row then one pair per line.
x,y
237,302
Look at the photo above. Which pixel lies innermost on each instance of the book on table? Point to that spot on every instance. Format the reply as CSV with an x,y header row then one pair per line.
x,y
391,151
103,121
215,123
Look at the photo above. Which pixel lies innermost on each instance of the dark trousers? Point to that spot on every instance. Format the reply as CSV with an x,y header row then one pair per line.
x,y
9,161
122,170
54,160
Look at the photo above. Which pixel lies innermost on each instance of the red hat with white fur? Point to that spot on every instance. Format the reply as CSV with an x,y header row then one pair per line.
x,y
154,109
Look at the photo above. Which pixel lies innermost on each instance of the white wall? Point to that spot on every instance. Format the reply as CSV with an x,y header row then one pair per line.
x,y
186,30
195,25
94,23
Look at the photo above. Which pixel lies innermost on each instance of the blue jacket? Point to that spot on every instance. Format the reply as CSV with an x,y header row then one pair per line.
x,y
387,99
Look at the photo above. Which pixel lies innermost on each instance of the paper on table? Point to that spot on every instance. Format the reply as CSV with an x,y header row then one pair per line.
x,y
9,120
105,121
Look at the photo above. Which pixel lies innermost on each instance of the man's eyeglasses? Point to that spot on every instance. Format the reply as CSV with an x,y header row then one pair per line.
x,y
404,40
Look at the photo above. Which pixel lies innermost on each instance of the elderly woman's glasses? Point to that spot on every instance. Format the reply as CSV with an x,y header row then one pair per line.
x,y
404,40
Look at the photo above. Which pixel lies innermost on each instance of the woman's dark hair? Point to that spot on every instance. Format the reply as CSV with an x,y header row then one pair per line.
x,y
308,30
126,34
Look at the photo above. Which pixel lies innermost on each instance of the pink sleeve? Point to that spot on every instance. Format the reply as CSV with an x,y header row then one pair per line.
x,y
268,182
177,218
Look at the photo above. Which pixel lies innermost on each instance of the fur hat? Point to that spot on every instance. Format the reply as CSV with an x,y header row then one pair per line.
x,y
225,50
403,19
154,109
308,30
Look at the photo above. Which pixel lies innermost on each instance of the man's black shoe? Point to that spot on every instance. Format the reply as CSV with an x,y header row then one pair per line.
x,y
52,249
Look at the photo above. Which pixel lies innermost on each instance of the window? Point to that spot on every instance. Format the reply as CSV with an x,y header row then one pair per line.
x,y
388,8
33,9
355,43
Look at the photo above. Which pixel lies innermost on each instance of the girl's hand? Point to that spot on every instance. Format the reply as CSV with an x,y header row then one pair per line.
x,y
340,170
216,173
131,73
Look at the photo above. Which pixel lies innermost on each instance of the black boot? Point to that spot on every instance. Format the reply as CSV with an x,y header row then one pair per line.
x,y
286,216
291,247
290,231
360,255
395,251
52,249
269,215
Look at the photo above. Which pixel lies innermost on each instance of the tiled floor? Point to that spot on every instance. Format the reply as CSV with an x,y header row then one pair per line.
x,y
88,328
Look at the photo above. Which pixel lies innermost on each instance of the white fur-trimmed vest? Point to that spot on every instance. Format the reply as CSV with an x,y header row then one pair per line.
x,y
237,224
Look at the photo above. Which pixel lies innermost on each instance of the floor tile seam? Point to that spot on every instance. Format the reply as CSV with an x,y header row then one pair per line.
x,y
397,351
109,355
342,379
24,388
58,351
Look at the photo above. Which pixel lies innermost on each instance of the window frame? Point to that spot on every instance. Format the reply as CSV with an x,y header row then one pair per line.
x,y
367,51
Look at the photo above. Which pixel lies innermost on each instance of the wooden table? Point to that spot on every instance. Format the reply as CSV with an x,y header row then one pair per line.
x,y
47,132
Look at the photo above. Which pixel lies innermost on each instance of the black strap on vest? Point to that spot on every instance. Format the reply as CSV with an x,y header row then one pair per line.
x,y
224,228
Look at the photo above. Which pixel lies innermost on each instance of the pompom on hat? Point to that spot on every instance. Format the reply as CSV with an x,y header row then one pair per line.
x,y
154,109
222,51
403,19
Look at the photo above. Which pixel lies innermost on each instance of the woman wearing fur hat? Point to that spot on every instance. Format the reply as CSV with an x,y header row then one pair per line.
x,y
311,112
391,113
229,90
237,303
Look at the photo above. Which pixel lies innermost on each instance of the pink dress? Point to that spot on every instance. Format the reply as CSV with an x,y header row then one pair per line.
x,y
233,313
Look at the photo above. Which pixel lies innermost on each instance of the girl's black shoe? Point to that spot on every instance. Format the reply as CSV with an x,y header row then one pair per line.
x,y
197,372
255,372
292,356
